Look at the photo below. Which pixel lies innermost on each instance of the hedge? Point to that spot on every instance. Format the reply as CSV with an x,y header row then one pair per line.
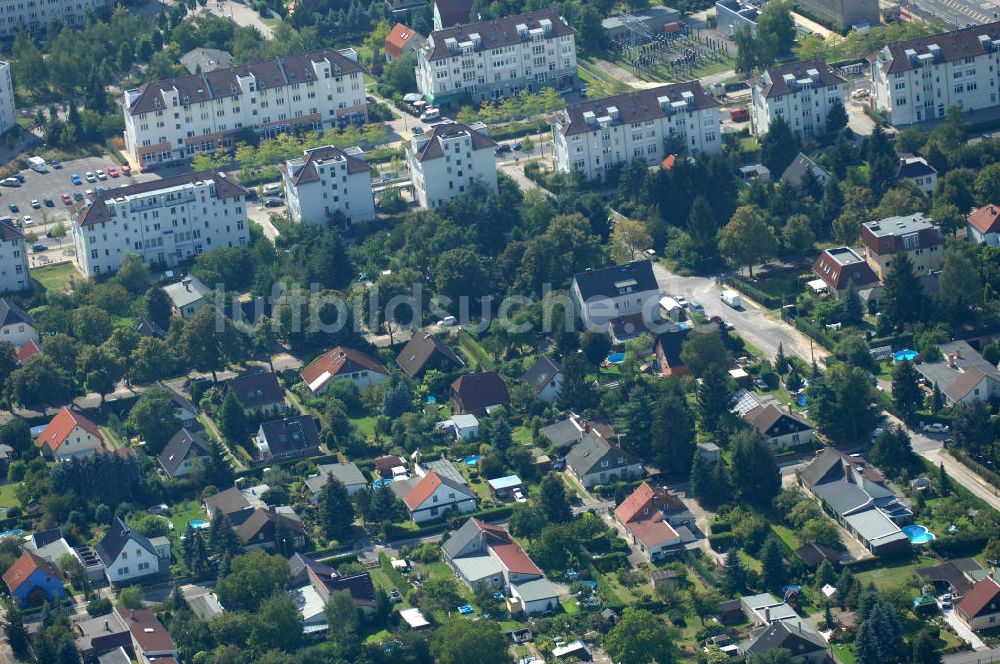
x,y
696,563
449,523
962,544
896,341
818,333
979,469
722,541
754,293
610,562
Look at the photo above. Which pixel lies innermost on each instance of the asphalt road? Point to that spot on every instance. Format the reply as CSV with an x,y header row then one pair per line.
x,y
962,12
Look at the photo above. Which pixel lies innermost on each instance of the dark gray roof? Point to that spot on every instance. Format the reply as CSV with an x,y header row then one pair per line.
x,y
187,291
290,434
11,314
773,421
228,501
346,473
954,572
118,536
586,456
605,282
429,145
257,390
424,351
43,538
773,83
914,168
201,60
848,486
496,33
797,639
9,232
147,328
541,373
563,433
955,45
304,169
638,106
453,12
461,538
183,443
797,169
968,371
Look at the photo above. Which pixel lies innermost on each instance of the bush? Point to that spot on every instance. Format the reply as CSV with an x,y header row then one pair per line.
x,y
754,293
259,176
722,542
99,606
818,333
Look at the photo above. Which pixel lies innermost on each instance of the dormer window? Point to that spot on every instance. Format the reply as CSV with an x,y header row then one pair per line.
x,y
604,463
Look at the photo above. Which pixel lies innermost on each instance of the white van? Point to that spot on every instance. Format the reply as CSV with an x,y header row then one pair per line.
x,y
271,189
38,164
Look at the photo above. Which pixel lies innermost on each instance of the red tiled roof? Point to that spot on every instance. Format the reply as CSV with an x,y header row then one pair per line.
x,y
632,506
28,351
147,631
986,219
24,567
983,595
62,425
507,549
398,38
339,361
643,519
422,490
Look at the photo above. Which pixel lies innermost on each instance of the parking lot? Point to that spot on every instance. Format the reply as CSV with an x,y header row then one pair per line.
x,y
53,185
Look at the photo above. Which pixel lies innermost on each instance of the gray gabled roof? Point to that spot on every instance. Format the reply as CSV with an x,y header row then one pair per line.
x,y
117,538
541,373
461,538
183,443
11,314
187,291
797,639
347,473
797,169
586,456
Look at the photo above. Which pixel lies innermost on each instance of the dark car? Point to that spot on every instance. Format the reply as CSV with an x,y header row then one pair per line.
x,y
49,202
20,178
503,148
38,246
273,202
251,194
56,164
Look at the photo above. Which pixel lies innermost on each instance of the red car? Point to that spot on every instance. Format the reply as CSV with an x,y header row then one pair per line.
x,y
126,170
739,115
113,172
67,199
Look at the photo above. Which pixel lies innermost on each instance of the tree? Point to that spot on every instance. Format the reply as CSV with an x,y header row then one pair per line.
x,y
882,161
278,624
16,632
836,119
8,360
853,350
987,184
781,364
755,474
216,468
779,146
460,275
826,574
797,235
576,392
38,384
154,418
747,238
91,325
735,575
704,603
747,48
970,427
704,351
254,577
527,521
937,399
397,400
906,390
900,201
343,619
842,403
773,571
991,553
595,346
17,435
100,369
713,398
892,451
222,541
879,637
157,306
232,419
459,641
629,240
924,649
961,285
639,638
553,499
336,513
202,342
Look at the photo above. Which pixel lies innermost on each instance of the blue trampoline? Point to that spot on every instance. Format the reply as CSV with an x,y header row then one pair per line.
x,y
801,401
905,354
432,399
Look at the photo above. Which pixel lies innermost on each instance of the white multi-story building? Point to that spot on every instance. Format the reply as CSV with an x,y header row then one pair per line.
x,y
918,79
447,160
6,97
13,258
593,136
163,221
34,15
498,58
328,180
802,93
173,119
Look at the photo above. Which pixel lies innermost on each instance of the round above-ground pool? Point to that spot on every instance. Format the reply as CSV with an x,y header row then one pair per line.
x,y
905,354
918,534
378,484
616,358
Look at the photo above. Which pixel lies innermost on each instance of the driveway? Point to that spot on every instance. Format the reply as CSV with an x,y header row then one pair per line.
x,y
758,326
975,657
963,631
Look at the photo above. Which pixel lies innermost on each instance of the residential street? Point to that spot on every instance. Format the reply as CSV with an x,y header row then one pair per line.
x,y
975,657
760,327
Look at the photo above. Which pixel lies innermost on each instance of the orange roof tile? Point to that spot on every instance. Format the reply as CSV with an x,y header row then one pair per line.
x,y
982,595
397,39
507,549
336,362
986,219
24,567
28,350
62,425
422,490
632,506
642,518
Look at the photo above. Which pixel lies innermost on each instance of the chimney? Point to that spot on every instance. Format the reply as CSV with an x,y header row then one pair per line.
x,y
767,613
958,353
951,360
107,626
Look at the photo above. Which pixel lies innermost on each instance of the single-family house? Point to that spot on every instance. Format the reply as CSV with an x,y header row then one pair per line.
x,y
259,392
187,296
347,474
983,225
144,327
313,583
184,410
914,236
184,453
260,529
667,348
128,555
644,523
595,460
16,325
544,378
963,375
400,41
782,427
479,393
857,496
462,427
385,465
28,350
32,581
434,496
425,351
918,171
841,269
103,634
955,576
606,293
980,608
568,432
290,438
341,362
151,641
49,545
484,554
69,435
804,644
796,170
232,502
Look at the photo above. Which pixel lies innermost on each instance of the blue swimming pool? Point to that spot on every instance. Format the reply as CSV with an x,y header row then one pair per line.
x,y
616,358
17,532
378,484
471,460
905,354
918,534
198,523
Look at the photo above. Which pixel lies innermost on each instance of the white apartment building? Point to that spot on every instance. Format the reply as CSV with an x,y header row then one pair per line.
x,y
498,58
447,160
6,97
327,180
171,120
13,258
35,15
918,79
163,221
803,93
593,136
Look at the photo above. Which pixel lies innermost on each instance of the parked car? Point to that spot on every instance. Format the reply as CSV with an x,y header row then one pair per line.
x,y
113,172
517,146
28,221
38,246
696,306
760,385
90,176
936,427
101,175
519,496
503,148
35,203
77,196
395,596
56,164
76,179
19,177
13,207
10,182
273,202
48,202
739,115
67,199
126,170
418,130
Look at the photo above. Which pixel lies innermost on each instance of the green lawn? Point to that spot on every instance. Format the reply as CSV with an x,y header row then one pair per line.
x,y
786,535
479,359
8,497
364,425
889,575
56,277
844,652
181,513
521,435
569,606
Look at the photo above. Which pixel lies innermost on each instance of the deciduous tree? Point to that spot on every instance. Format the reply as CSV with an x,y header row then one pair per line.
x,y
639,638
747,239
